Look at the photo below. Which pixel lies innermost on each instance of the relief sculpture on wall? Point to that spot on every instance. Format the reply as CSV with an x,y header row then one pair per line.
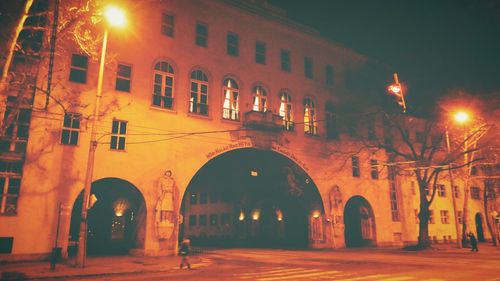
x,y
165,210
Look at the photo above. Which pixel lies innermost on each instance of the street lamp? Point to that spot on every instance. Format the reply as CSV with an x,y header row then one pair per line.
x,y
114,17
397,90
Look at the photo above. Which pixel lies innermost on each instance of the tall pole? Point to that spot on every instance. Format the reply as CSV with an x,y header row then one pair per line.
x,y
457,226
82,237
403,102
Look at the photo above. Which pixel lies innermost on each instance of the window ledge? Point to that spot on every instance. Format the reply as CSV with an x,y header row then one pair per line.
x,y
153,107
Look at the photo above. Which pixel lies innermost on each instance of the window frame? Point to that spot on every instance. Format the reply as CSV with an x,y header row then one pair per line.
x,y
201,36
356,171
230,100
308,67
166,72
285,60
9,208
260,52
232,44
121,78
374,169
75,69
201,81
118,136
286,111
259,99
167,28
310,125
72,130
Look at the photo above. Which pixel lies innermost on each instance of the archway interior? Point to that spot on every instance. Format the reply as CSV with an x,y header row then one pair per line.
x,y
359,223
250,198
479,227
116,219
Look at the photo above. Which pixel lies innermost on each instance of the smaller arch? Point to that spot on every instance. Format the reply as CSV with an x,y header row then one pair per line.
x,y
359,222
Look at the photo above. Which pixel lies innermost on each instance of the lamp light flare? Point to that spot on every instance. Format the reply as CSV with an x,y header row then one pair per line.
x,y
115,16
461,117
395,89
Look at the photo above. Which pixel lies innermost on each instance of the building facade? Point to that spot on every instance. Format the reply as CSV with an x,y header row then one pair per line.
x,y
218,121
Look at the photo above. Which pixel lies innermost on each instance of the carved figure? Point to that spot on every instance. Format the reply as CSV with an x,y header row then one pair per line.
x,y
165,214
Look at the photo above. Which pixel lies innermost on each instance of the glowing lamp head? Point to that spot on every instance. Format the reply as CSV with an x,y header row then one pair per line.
x,y
256,214
242,216
316,214
462,117
395,89
115,16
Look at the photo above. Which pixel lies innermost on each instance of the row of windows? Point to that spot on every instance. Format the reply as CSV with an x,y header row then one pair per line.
x,y
71,131
163,96
233,48
356,172
205,198
213,220
445,216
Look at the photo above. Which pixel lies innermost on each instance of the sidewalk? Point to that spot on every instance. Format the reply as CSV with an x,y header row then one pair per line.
x,y
95,266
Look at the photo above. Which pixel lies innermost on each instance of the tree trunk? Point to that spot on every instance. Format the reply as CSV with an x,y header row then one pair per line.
x,y
488,216
424,241
464,213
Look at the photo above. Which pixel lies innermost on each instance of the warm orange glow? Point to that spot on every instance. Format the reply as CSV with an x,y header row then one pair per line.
x,y
254,173
242,216
115,16
461,117
316,214
395,89
120,206
256,215
279,215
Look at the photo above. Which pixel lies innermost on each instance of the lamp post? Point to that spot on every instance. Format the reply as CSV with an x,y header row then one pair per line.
x,y
114,17
397,90
457,227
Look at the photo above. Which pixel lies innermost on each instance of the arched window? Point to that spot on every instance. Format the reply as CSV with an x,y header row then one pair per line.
x,y
198,101
163,88
286,111
230,107
310,126
330,122
259,97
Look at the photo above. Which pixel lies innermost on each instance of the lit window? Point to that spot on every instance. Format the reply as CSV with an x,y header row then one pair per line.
x,y
310,126
285,60
286,111
198,101
118,132
308,67
9,187
355,166
260,52
71,128
201,35
78,70
441,190
374,169
167,24
232,44
230,106
163,87
123,76
445,219
329,74
259,99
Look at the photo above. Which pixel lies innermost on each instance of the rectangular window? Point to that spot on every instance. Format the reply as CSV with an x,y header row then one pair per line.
x,y
167,24
308,67
203,198
456,191
201,35
475,192
329,75
260,52
355,166
6,245
214,219
123,76
9,193
393,196
71,128
203,220
285,60
431,216
232,44
118,133
441,190
193,198
460,218
78,69
445,219
192,220
374,169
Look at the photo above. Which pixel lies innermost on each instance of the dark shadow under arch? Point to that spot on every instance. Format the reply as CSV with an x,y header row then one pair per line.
x,y
116,221
359,223
479,227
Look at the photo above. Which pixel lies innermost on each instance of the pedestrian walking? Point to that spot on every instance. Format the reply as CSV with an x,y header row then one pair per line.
x,y
473,242
184,251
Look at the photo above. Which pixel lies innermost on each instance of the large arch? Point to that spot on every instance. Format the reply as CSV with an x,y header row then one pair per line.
x,y
250,197
359,223
116,220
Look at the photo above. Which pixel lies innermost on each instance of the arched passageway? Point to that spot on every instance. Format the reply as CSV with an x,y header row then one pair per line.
x,y
251,198
359,223
116,221
479,227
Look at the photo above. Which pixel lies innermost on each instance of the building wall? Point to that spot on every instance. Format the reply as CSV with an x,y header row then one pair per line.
x,y
55,173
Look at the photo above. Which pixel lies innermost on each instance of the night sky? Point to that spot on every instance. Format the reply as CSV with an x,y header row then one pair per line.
x,y
438,47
